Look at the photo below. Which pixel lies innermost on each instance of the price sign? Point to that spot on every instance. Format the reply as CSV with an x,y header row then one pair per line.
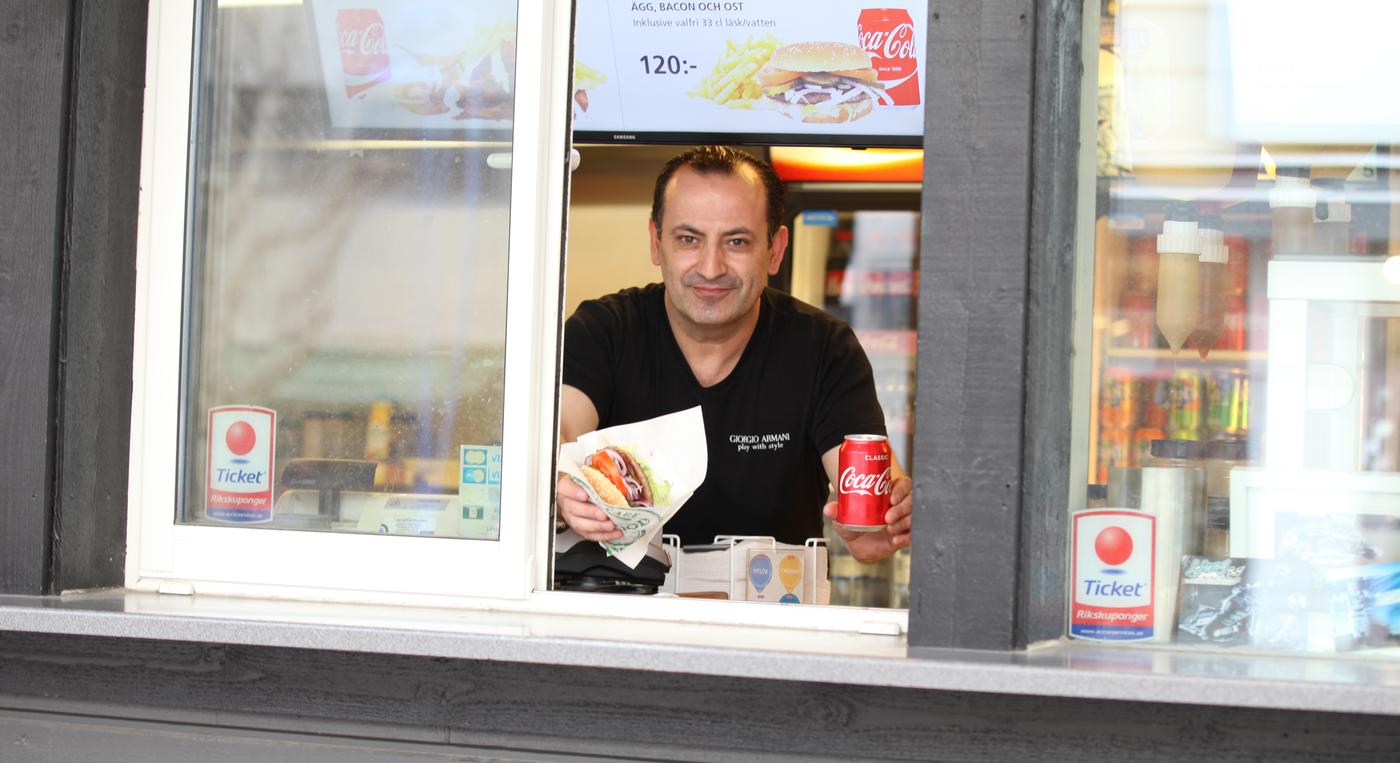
x,y
656,64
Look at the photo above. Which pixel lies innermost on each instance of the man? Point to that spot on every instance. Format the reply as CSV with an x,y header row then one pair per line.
x,y
780,383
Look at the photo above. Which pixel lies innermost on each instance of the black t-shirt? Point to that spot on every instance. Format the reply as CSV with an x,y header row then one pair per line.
x,y
801,385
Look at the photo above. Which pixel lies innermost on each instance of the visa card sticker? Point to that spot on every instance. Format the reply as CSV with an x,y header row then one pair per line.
x,y
479,492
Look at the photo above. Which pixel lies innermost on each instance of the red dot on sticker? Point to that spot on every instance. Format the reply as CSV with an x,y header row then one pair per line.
x,y
1113,545
240,438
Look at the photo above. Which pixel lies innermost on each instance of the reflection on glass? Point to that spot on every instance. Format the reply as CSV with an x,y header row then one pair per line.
x,y
346,268
1245,364
864,269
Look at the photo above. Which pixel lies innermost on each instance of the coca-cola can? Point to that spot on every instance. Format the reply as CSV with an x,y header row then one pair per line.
x,y
364,49
887,35
863,487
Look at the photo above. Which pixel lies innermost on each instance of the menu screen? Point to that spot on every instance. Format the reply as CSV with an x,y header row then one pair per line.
x,y
417,66
834,73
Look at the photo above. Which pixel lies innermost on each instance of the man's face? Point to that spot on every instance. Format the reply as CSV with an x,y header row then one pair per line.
x,y
713,245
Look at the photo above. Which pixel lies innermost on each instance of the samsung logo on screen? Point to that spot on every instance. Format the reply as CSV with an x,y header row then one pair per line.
x,y
624,137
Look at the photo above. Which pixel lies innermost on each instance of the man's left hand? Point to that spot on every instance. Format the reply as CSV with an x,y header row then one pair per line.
x,y
870,547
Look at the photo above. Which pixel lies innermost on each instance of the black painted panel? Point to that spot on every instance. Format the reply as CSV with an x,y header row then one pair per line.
x,y
971,397
1041,604
99,298
669,716
33,83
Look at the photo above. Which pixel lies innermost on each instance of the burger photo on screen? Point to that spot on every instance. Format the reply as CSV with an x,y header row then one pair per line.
x,y
622,480
585,78
439,83
822,82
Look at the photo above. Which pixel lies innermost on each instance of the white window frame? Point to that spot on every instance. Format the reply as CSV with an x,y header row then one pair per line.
x,y
165,555
510,574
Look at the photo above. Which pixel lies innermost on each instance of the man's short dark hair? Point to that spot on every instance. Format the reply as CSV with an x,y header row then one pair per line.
x,y
727,161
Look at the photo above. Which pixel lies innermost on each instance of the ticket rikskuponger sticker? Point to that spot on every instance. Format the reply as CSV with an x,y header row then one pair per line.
x,y
1113,572
241,448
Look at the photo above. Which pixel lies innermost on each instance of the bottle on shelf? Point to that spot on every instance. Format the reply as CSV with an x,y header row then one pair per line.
x,y
378,431
1291,203
1212,263
1222,457
1178,277
1236,307
1118,416
1115,451
378,434
1138,303
1227,404
1186,414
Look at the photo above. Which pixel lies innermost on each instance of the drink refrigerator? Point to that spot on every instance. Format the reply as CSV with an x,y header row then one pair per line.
x,y
855,253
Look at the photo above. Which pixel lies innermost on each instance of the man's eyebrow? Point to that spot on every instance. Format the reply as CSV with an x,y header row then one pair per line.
x,y
685,228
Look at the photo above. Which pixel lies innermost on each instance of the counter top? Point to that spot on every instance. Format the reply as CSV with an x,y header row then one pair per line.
x,y
1149,674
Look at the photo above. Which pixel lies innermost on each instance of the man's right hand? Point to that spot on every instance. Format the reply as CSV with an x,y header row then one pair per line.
x,y
582,516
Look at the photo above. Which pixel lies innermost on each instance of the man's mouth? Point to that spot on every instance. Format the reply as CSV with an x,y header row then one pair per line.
x,y
710,292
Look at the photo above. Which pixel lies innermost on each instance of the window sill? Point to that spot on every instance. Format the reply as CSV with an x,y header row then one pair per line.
x,y
1060,670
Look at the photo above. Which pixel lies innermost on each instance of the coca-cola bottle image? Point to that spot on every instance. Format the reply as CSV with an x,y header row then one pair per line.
x,y
364,50
887,35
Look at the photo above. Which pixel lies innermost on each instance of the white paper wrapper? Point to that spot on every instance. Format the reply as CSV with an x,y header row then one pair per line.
x,y
673,447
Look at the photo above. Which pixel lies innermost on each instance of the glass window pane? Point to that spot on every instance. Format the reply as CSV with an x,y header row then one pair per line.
x,y
346,267
870,269
1244,458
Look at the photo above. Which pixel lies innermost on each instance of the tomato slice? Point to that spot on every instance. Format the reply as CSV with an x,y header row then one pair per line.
x,y
604,463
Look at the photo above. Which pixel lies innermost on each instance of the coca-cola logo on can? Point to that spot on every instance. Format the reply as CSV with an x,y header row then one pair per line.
x,y
364,49
893,50
864,484
887,36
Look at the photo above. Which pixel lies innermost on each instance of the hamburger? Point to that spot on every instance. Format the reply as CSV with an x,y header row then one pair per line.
x,y
620,479
821,82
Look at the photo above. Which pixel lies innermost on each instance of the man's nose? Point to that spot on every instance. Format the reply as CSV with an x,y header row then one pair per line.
x,y
711,263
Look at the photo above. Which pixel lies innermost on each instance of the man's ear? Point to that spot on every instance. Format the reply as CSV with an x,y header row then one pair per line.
x,y
777,249
654,238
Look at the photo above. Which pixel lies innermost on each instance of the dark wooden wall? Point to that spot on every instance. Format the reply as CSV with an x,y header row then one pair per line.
x,y
71,78
1041,600
622,714
99,291
34,57
994,319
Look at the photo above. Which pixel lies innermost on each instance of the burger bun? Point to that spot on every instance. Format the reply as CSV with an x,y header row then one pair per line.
x,y
604,487
819,57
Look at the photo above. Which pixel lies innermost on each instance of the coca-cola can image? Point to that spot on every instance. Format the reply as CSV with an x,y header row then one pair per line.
x,y
863,486
364,50
887,35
